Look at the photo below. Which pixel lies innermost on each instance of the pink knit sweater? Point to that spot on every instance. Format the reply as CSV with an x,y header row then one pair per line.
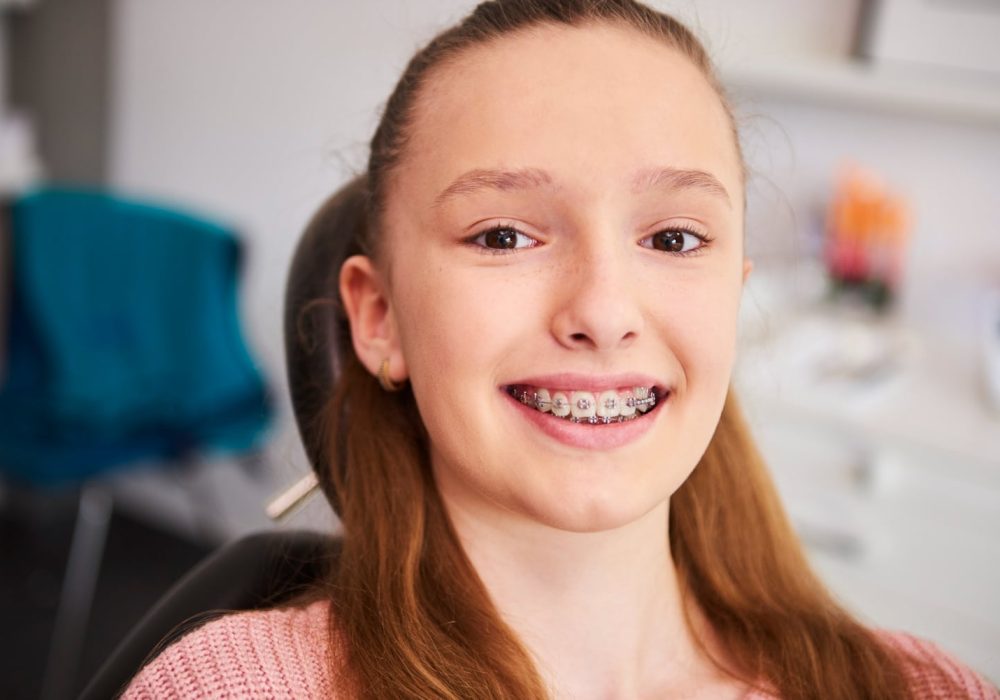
x,y
285,654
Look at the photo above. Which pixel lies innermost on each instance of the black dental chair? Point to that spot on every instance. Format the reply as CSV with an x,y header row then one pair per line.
x,y
267,568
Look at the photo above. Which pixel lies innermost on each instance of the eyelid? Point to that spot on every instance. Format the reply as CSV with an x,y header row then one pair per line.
x,y
693,227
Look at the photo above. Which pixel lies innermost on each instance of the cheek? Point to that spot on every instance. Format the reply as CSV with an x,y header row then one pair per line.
x,y
456,329
437,335
703,325
446,321
464,316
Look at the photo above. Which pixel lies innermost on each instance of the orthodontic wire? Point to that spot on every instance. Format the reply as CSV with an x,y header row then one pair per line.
x,y
526,397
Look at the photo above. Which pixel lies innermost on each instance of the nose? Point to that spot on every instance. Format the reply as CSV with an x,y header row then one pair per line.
x,y
597,300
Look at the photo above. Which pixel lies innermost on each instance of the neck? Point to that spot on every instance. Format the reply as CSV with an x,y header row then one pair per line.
x,y
601,612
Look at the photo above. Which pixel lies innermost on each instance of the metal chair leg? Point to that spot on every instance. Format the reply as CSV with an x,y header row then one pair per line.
x,y
82,570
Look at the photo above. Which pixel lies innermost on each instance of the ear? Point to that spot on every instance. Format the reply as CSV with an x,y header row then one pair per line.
x,y
747,269
373,326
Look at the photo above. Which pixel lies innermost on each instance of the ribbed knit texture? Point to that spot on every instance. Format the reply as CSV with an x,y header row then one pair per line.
x,y
940,671
275,654
283,654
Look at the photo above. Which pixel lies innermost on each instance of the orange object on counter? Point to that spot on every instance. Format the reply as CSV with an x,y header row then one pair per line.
x,y
867,231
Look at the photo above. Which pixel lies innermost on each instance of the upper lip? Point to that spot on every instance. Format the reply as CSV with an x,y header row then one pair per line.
x,y
574,381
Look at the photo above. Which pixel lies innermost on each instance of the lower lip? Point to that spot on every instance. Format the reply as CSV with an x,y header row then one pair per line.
x,y
598,436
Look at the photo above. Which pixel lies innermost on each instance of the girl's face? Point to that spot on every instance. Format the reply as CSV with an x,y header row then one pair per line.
x,y
565,228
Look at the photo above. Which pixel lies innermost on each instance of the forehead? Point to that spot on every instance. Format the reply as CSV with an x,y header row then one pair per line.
x,y
582,102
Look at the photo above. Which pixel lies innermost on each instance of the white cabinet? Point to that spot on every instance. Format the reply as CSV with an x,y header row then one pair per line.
x,y
893,486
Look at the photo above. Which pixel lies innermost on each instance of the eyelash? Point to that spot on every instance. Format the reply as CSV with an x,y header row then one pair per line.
x,y
680,228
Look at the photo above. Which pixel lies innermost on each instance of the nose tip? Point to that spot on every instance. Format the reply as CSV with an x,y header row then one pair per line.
x,y
598,308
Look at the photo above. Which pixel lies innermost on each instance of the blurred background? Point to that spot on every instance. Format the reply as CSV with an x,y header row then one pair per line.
x,y
870,360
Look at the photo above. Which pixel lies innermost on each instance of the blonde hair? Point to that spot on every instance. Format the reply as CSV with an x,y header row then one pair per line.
x,y
414,617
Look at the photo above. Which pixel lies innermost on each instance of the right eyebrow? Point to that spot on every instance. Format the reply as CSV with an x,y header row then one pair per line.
x,y
494,179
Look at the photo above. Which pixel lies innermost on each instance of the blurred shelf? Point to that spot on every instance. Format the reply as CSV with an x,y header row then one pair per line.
x,y
931,401
913,90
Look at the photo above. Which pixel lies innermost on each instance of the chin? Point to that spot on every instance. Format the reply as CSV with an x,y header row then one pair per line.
x,y
591,513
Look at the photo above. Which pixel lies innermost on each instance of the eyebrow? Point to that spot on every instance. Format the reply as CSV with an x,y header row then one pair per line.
x,y
488,179
532,178
679,179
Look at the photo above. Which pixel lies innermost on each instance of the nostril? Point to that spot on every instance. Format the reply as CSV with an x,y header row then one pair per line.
x,y
579,337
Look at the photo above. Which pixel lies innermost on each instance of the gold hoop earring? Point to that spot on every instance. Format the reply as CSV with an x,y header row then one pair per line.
x,y
383,378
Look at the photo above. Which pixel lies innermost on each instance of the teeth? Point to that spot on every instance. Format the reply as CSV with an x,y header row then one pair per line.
x,y
543,401
627,403
560,404
642,397
583,405
608,406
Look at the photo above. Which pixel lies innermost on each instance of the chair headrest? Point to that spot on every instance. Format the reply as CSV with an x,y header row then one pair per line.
x,y
316,329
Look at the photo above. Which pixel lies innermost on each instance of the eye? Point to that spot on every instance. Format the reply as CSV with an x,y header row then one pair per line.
x,y
500,239
679,241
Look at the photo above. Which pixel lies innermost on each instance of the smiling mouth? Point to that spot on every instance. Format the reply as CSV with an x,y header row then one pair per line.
x,y
594,408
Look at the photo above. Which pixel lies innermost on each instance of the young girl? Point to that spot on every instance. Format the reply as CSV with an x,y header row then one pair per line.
x,y
545,484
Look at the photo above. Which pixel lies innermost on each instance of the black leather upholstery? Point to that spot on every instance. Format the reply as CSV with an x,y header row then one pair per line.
x,y
256,571
316,331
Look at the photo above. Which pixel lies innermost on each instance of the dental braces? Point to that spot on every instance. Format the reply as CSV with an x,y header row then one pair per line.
x,y
531,398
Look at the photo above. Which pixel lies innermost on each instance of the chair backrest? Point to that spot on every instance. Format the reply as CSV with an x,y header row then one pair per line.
x,y
259,570
316,331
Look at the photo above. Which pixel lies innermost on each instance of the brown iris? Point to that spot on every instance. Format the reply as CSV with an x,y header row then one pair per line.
x,y
669,241
502,238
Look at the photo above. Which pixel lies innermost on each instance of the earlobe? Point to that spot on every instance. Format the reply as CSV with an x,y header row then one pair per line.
x,y
373,328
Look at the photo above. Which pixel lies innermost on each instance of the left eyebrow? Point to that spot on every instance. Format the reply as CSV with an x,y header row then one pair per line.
x,y
679,179
489,179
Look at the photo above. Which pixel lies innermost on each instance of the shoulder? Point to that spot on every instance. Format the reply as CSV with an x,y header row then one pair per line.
x,y
279,653
933,672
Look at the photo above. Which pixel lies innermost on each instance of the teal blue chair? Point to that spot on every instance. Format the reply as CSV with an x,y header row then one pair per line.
x,y
124,347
